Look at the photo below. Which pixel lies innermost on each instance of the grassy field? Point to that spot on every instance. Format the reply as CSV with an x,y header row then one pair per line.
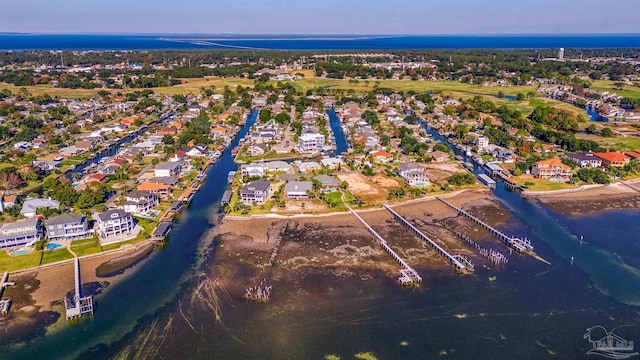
x,y
36,258
542,184
86,247
629,91
617,142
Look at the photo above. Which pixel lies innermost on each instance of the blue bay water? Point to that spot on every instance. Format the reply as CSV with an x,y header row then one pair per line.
x,y
288,42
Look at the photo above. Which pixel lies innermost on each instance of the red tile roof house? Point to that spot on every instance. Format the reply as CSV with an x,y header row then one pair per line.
x,y
616,159
633,154
98,177
380,156
552,169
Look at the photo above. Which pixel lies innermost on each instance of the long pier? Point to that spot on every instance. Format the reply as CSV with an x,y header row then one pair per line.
x,y
461,265
519,245
5,304
408,274
630,186
79,305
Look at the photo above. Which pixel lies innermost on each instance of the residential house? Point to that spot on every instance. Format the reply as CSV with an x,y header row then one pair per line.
x,y
99,178
198,150
332,163
307,167
255,192
7,201
84,145
327,183
310,142
440,156
257,149
482,142
277,166
31,206
585,159
168,168
552,169
414,174
68,227
615,159
381,157
167,180
253,170
21,232
113,222
633,154
157,188
298,189
140,202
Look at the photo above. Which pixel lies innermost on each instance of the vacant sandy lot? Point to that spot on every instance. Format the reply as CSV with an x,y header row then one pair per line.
x,y
360,185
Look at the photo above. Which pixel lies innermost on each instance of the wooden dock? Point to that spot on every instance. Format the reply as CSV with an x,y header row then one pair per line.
x,y
79,305
517,244
632,187
407,274
459,263
5,304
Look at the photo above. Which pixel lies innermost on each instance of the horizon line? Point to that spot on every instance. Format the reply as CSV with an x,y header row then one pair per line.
x,y
318,34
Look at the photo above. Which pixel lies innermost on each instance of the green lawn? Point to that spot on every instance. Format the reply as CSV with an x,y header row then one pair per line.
x,y
543,185
36,258
616,142
86,247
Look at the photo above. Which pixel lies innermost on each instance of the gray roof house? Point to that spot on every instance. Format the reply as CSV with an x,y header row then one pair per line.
x,y
298,189
68,227
276,166
327,182
255,192
21,232
113,222
168,168
31,205
413,174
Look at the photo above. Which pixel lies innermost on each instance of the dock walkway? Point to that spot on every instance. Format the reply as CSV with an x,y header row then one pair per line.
x,y
519,245
630,186
79,305
456,261
5,304
408,274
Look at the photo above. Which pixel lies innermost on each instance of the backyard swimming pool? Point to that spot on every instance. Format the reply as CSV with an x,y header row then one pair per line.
x,y
52,246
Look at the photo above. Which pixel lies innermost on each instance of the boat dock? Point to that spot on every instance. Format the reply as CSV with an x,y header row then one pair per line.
x,y
491,184
162,230
79,305
407,274
459,262
226,197
5,304
517,244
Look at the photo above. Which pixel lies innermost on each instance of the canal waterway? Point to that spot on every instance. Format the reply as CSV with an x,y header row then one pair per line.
x,y
338,133
152,286
527,310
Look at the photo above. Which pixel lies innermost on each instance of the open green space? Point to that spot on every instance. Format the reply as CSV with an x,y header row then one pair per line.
x,y
34,259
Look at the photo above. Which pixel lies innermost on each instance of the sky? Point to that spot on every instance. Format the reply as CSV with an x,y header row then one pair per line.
x,y
321,16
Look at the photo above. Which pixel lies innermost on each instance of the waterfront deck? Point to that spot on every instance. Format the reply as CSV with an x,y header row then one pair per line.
x,y
517,244
79,305
407,274
459,262
5,304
